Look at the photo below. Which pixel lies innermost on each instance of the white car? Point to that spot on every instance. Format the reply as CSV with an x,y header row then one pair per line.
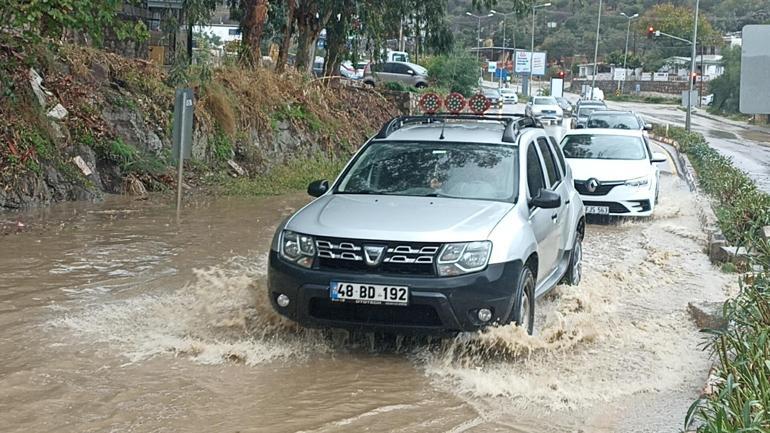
x,y
615,171
509,96
545,109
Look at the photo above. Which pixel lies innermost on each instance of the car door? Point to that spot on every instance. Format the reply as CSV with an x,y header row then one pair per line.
x,y
565,190
402,75
554,179
541,220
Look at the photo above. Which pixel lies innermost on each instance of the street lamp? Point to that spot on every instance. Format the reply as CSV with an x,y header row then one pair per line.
x,y
505,16
625,56
596,50
478,38
532,47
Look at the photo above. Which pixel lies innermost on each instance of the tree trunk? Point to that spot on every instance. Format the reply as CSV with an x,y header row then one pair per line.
x,y
283,53
253,26
310,20
337,38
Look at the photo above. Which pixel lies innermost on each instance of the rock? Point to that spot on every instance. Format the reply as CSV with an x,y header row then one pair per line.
x,y
766,233
237,168
58,112
134,186
84,168
735,255
716,242
36,82
130,126
707,315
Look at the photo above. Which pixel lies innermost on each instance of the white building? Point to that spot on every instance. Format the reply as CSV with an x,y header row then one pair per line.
x,y
709,66
225,32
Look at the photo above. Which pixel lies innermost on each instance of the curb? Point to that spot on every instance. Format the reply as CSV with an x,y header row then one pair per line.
x,y
706,215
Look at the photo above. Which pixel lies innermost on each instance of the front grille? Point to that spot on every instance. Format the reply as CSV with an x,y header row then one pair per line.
x,y
602,189
614,206
409,315
399,258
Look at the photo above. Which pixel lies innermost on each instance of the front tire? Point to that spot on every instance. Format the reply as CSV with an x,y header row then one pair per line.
x,y
523,313
575,272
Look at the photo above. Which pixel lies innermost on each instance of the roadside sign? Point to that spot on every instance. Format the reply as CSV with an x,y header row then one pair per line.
x,y
523,62
491,67
755,62
183,123
557,87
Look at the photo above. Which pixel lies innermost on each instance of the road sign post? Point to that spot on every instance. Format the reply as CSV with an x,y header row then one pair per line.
x,y
182,145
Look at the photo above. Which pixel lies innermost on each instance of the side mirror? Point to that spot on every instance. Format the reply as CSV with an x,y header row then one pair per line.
x,y
318,188
410,72
647,127
546,200
658,157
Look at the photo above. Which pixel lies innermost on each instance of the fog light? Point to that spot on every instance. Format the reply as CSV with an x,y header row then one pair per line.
x,y
282,300
485,315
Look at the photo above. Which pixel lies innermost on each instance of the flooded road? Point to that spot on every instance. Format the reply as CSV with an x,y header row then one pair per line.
x,y
114,318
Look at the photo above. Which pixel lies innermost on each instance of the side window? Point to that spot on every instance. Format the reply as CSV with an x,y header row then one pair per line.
x,y
387,67
559,155
377,67
535,178
399,68
554,176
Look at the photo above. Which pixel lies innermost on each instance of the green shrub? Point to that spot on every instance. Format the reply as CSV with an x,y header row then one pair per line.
x,y
396,86
294,175
457,72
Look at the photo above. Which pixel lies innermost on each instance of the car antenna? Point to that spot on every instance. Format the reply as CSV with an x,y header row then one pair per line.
x,y
443,124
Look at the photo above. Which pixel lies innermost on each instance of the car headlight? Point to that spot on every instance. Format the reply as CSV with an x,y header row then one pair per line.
x,y
463,258
638,182
298,248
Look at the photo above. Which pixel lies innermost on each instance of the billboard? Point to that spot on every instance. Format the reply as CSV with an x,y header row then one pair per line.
x,y
755,62
523,60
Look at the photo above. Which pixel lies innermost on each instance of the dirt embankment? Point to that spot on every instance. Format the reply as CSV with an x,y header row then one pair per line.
x,y
76,122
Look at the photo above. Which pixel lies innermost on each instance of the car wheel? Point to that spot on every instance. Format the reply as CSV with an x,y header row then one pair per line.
x,y
420,85
575,272
369,83
523,313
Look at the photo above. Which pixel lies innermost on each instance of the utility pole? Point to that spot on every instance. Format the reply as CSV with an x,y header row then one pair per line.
x,y
596,49
478,42
621,85
688,120
505,51
532,46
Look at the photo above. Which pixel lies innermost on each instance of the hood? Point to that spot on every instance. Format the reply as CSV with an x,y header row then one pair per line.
x,y
608,170
415,219
539,108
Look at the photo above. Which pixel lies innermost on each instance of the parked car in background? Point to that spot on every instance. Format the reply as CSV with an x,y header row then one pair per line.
x,y
509,96
565,105
614,170
433,227
348,71
545,109
409,74
615,119
493,96
360,66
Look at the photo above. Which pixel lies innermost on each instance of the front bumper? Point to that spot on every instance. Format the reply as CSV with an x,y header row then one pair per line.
x,y
623,200
436,305
549,118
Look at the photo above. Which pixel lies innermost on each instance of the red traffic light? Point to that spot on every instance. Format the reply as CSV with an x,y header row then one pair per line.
x,y
561,74
650,32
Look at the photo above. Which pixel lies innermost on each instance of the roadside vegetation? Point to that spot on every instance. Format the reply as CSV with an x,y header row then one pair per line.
x,y
740,397
643,99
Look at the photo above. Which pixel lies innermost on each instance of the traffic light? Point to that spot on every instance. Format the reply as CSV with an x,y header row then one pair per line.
x,y
694,78
561,74
650,32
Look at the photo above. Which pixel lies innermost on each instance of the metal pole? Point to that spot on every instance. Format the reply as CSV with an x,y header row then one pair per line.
x,y
478,50
504,51
688,120
531,53
625,57
700,99
596,49
180,164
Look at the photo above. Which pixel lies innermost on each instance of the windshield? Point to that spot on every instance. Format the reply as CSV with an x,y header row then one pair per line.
x,y
507,91
585,111
587,146
615,121
434,169
492,93
545,101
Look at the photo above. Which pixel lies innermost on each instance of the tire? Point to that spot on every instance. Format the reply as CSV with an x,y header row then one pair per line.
x,y
523,313
575,271
420,85
369,83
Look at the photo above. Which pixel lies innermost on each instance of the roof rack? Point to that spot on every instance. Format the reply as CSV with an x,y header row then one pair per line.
x,y
513,123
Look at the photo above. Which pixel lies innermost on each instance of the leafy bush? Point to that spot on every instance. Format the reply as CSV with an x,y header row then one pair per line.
x,y
294,175
457,72
741,397
396,86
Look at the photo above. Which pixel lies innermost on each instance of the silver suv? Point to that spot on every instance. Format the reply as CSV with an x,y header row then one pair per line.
x,y
410,74
438,224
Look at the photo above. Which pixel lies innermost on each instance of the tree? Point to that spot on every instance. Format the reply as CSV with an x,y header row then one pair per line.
x,y
311,17
727,87
678,21
252,28
337,36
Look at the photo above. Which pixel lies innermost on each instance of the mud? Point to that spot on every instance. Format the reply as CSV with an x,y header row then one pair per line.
x,y
116,317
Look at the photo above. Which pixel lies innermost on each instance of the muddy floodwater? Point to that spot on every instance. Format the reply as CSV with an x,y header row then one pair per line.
x,y
114,318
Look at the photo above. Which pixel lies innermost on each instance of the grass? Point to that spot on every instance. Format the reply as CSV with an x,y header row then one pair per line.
x,y
741,398
294,175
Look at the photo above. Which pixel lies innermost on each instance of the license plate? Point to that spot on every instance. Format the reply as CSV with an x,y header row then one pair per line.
x,y
368,293
599,210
